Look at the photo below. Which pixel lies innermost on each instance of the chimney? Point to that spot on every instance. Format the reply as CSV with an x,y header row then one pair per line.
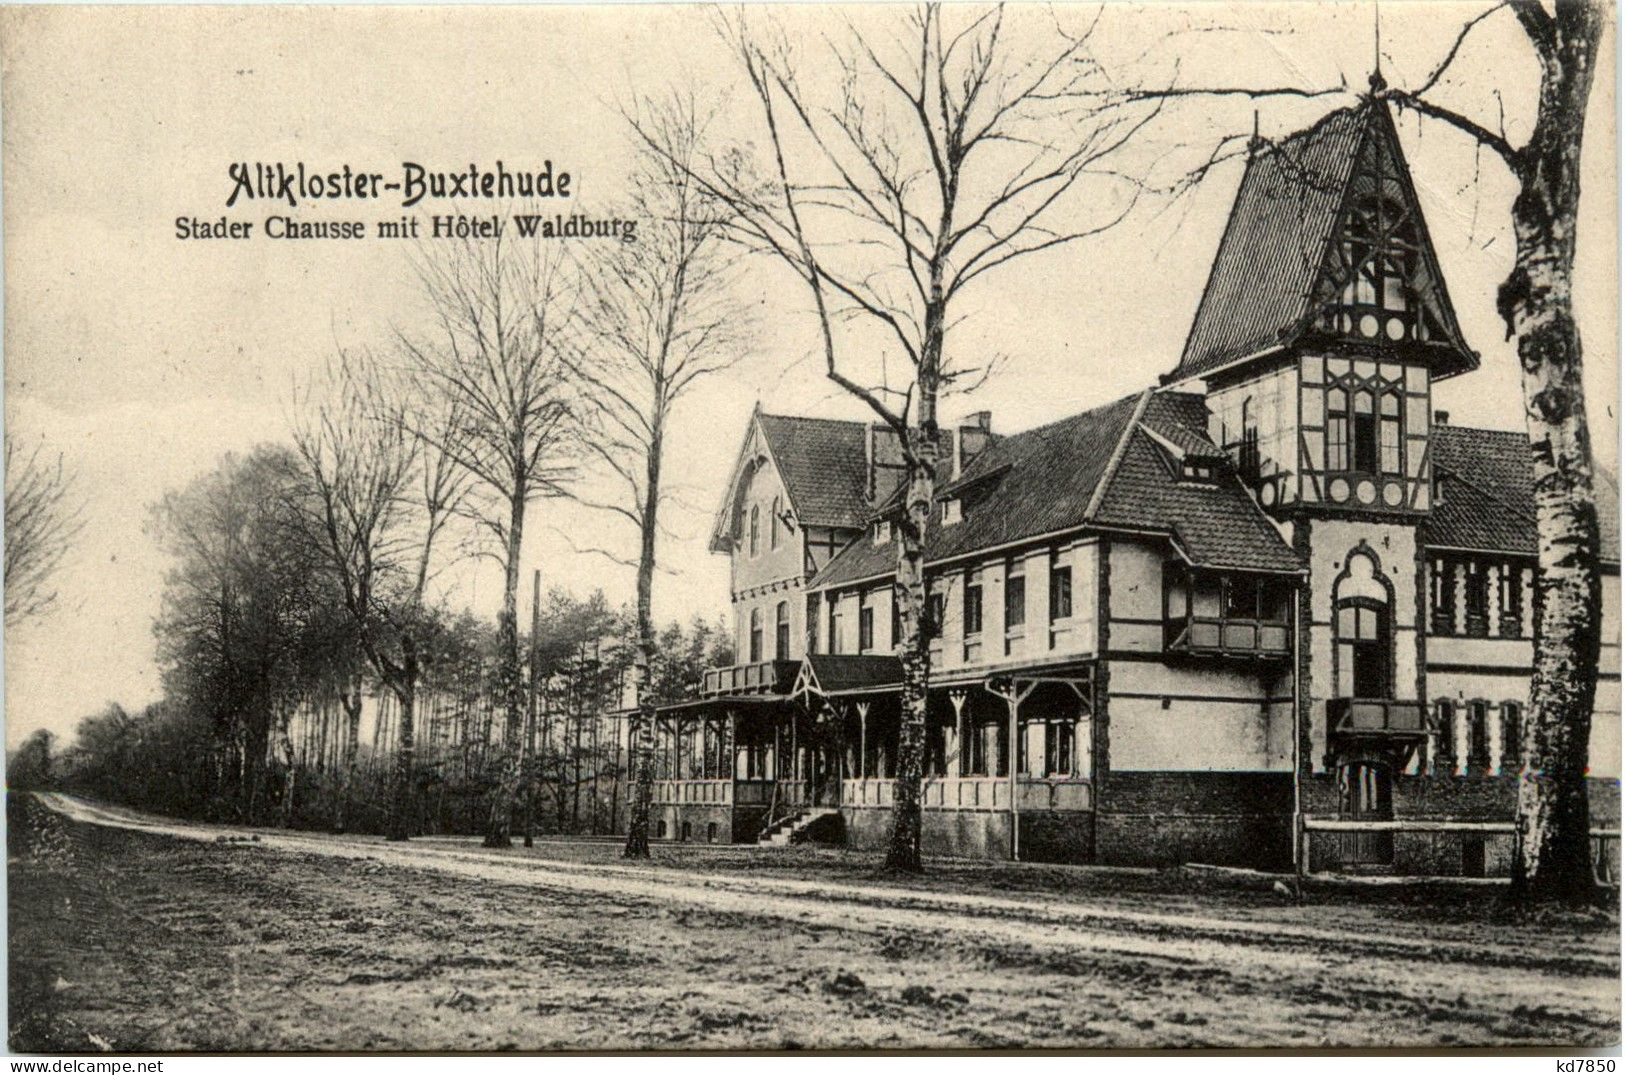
x,y
973,435
885,469
1441,418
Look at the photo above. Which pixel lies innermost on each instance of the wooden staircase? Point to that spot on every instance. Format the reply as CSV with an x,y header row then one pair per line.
x,y
791,828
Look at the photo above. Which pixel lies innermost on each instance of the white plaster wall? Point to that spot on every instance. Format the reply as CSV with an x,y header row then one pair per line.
x,y
1209,736
1136,580
1330,543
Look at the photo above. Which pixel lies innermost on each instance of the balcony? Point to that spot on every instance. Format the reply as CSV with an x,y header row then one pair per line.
x,y
1229,637
1375,718
1226,614
759,677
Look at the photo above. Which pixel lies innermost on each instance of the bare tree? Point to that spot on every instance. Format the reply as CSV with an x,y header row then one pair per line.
x,y
505,322
940,155
41,522
380,488
660,316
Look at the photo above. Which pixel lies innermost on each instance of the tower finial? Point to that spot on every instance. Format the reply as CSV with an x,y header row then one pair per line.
x,y
1378,83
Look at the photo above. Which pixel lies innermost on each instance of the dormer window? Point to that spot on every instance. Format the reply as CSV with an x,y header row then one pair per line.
x,y
951,511
1198,470
882,531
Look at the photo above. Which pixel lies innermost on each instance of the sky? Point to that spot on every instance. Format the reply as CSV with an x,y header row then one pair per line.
x,y
142,358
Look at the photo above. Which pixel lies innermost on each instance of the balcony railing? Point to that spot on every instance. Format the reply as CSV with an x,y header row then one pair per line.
x,y
1230,637
976,793
1374,717
759,677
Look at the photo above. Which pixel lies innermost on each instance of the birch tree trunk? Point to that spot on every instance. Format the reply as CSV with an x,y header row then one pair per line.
x,y
903,851
1537,302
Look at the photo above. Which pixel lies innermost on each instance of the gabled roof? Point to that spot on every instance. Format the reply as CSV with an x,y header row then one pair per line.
x,y
821,461
1489,496
1260,293
1097,467
1215,525
830,674
824,467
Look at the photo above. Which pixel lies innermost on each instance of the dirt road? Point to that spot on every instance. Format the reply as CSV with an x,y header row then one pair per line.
x,y
334,942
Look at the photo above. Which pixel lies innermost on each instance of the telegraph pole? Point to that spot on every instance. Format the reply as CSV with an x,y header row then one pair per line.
x,y
530,710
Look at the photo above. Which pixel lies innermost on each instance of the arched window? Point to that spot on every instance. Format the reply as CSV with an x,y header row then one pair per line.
x,y
781,632
773,526
1391,439
1361,626
755,530
1363,433
755,635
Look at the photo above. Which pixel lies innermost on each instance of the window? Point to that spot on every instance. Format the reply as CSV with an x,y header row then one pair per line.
x,y
781,632
973,605
1444,736
1015,601
1337,429
1478,737
1391,440
1058,748
812,623
896,618
882,531
1363,434
1511,738
938,614
755,530
1477,593
773,526
1362,649
951,511
836,642
1060,592
1241,598
755,635
1233,613
1442,595
1198,470
866,625
1511,594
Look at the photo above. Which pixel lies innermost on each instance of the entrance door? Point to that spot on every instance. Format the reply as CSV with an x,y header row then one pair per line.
x,y
1367,796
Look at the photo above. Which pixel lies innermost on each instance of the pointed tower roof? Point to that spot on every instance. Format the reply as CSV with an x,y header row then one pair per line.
x,y
1277,264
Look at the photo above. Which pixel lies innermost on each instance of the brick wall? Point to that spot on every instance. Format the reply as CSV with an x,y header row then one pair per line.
x,y
1225,819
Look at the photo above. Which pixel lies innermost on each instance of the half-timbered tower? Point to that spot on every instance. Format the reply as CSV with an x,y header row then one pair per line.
x,y
1278,584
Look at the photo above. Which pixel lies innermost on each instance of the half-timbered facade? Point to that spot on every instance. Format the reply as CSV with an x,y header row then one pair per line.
x,y
1277,584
